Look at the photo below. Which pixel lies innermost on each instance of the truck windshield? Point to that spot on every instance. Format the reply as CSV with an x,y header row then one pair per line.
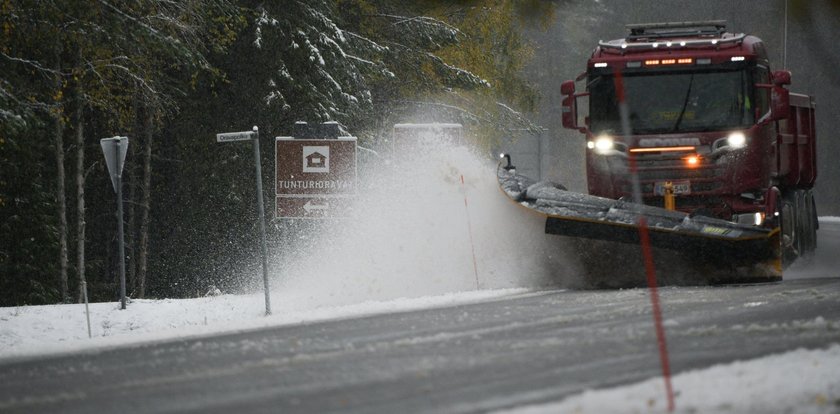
x,y
664,102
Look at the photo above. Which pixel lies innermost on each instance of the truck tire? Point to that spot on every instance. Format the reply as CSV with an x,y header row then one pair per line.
x,y
802,224
813,224
789,221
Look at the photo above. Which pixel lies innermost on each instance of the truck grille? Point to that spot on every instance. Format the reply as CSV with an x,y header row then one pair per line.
x,y
676,174
659,167
696,187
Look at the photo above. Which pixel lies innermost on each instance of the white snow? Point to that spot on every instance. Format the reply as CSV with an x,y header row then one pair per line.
x,y
801,381
35,330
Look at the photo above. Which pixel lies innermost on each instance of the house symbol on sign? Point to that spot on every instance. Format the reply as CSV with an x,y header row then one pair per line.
x,y
316,159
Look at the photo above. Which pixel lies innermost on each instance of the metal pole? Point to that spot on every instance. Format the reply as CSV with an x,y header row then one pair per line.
x,y
120,226
256,140
784,41
87,309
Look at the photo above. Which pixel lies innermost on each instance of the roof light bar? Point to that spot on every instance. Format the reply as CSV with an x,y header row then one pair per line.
x,y
738,58
642,45
601,65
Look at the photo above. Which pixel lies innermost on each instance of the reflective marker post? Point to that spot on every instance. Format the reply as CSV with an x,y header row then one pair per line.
x,y
87,309
115,150
254,136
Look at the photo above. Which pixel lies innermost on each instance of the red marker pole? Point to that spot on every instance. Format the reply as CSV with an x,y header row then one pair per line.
x,y
647,252
469,230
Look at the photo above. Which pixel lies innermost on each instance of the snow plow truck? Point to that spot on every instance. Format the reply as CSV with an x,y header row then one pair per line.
x,y
690,133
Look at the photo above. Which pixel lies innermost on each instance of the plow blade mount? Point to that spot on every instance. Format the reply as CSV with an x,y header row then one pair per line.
x,y
605,236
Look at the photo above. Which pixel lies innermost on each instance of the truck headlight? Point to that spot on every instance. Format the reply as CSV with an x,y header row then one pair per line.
x,y
602,145
736,140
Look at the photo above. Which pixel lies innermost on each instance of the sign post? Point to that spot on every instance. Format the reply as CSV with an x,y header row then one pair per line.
x,y
115,150
254,136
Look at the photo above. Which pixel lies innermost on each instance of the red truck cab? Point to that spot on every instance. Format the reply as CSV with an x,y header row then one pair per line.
x,y
708,118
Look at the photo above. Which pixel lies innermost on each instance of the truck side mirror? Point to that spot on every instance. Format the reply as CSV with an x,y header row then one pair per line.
x,y
567,87
570,112
781,77
569,105
779,102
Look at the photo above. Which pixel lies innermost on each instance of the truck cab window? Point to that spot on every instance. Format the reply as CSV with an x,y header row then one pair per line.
x,y
670,102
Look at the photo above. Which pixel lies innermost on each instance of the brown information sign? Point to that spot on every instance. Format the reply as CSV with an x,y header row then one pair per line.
x,y
314,177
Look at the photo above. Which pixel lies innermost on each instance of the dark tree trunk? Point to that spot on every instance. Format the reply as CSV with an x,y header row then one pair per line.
x,y
131,234
57,115
143,253
78,121
60,198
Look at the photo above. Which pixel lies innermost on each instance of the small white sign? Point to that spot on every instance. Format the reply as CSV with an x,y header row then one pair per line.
x,y
316,159
234,136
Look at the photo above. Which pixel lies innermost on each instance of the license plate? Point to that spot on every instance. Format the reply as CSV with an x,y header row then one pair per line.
x,y
680,187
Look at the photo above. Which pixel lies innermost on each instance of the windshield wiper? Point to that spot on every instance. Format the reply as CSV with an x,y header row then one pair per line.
x,y
685,104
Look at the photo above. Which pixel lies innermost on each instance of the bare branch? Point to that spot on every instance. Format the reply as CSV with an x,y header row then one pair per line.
x,y
140,81
35,65
422,19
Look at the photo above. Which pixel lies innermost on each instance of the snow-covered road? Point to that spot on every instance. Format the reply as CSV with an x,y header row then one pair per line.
x,y
502,353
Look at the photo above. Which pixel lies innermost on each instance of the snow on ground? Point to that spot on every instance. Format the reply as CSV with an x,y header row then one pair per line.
x,y
801,381
37,330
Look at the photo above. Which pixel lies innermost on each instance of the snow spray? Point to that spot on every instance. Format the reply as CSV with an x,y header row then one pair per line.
x,y
411,234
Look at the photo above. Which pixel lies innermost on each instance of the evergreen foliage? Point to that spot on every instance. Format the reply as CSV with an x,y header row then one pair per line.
x,y
173,74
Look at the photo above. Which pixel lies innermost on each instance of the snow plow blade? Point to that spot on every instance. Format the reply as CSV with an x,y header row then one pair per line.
x,y
686,250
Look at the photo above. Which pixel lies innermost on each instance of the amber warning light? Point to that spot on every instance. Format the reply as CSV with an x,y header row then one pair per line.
x,y
692,161
672,61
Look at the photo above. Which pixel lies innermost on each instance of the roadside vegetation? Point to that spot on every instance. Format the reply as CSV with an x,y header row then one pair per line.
x,y
170,75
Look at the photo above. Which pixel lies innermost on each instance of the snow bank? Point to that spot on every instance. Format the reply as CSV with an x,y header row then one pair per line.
x,y
35,330
829,219
801,381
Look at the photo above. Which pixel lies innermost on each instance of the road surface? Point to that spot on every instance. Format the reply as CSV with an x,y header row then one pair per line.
x,y
526,349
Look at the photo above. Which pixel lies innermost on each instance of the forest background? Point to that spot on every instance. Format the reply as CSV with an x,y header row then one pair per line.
x,y
170,75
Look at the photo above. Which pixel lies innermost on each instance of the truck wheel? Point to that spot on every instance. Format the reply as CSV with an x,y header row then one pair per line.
x,y
791,245
811,219
802,224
